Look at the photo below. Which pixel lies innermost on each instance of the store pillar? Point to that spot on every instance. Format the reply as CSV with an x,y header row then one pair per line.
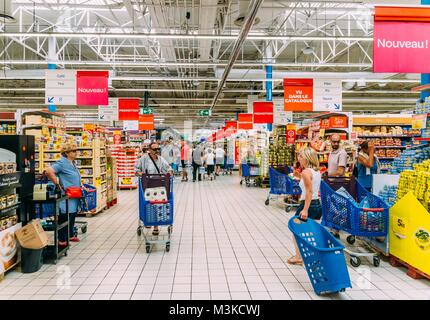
x,y
52,57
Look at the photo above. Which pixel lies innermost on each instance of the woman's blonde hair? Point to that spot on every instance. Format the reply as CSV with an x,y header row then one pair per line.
x,y
67,147
311,157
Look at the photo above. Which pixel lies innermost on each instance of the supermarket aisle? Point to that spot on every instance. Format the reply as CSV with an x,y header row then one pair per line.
x,y
226,245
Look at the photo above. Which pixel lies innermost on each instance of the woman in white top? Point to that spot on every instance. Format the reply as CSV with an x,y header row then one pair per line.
x,y
310,180
210,162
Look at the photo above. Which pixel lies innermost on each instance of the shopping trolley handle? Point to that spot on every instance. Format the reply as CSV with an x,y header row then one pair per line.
x,y
158,202
373,209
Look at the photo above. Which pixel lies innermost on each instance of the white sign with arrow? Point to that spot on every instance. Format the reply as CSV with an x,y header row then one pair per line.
x,y
327,95
60,87
109,112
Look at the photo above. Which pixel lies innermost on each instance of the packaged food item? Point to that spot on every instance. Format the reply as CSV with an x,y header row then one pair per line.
x,y
3,202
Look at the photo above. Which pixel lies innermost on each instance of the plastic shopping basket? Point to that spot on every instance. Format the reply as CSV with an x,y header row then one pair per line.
x,y
89,198
322,255
151,213
342,213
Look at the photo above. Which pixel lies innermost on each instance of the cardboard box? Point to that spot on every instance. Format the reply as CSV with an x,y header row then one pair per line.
x,y
32,236
33,120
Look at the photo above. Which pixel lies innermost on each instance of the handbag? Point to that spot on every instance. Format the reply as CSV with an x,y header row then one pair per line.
x,y
74,192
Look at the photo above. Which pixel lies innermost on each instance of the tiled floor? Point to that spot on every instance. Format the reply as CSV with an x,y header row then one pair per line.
x,y
226,244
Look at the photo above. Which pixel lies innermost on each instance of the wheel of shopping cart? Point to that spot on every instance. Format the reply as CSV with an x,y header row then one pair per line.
x,y
139,231
267,202
355,261
148,248
168,247
288,209
350,240
241,182
376,261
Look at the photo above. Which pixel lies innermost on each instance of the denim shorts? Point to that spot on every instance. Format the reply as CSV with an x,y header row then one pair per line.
x,y
315,209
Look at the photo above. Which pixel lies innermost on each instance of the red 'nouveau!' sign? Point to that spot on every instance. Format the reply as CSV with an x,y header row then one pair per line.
x,y
92,88
263,112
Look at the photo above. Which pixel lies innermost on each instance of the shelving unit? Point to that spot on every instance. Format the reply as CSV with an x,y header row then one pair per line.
x,y
126,157
8,123
91,160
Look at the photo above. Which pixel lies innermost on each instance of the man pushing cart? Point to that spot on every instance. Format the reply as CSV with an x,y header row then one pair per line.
x,y
155,196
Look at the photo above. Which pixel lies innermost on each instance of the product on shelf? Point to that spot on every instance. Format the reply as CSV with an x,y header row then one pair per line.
x,y
383,131
126,158
389,195
410,157
7,167
417,181
7,128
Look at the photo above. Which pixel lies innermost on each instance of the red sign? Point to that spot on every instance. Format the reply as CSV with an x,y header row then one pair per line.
x,y
263,112
338,122
117,137
236,152
220,134
291,136
298,94
92,88
146,122
128,109
245,121
401,40
231,127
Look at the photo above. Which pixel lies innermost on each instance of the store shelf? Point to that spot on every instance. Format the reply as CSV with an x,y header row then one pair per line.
x,y
87,176
9,209
51,160
37,126
83,158
52,151
387,158
85,167
86,148
390,147
381,136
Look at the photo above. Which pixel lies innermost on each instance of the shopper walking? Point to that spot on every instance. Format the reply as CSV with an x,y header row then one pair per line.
x,y
367,164
337,158
168,153
153,163
219,155
210,162
197,156
310,181
65,174
337,161
185,153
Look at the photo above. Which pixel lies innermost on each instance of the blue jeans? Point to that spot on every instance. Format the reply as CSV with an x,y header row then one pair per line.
x,y
62,234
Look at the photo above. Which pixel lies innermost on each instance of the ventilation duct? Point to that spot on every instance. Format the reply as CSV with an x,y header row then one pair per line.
x,y
6,12
243,6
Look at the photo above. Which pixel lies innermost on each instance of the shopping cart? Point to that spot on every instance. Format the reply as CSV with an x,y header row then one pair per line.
x,y
250,173
343,213
88,204
282,184
322,256
156,213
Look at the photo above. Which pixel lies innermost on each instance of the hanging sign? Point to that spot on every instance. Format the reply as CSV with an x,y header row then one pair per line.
x,y
146,122
109,112
401,39
60,87
92,88
89,127
291,133
117,137
131,125
327,95
263,112
231,127
245,121
280,116
298,94
312,94
419,121
128,109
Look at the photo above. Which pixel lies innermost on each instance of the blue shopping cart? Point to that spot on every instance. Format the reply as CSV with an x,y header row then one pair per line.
x,y
156,213
250,173
343,213
283,185
322,256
